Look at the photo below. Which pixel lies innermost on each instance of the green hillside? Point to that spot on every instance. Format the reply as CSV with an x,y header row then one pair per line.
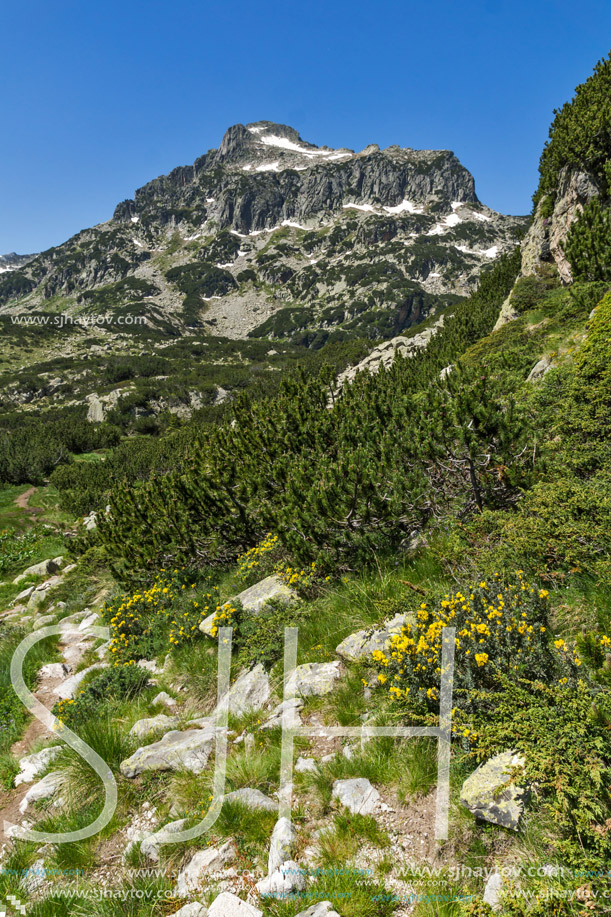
x,y
465,486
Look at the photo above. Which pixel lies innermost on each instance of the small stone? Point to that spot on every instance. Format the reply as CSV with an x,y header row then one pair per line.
x,y
251,691
177,750
493,890
46,788
68,688
252,798
213,859
195,909
291,707
288,878
33,765
361,645
322,909
164,698
228,905
357,795
306,766
281,845
152,725
149,846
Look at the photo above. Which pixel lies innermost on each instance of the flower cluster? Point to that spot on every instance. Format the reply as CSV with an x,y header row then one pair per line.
x,y
156,619
498,628
296,577
252,559
226,616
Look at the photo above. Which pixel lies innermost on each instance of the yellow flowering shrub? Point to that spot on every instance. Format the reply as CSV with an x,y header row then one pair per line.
x,y
254,564
155,620
499,628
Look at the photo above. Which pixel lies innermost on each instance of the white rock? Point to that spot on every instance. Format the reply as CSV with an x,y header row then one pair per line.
x,y
213,859
149,846
321,909
164,698
251,691
306,766
33,765
281,845
89,621
188,750
313,678
46,788
55,670
292,706
288,878
228,905
493,890
252,798
195,909
69,687
362,644
357,795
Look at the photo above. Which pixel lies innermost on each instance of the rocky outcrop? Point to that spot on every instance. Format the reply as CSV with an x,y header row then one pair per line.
x,y
384,354
544,241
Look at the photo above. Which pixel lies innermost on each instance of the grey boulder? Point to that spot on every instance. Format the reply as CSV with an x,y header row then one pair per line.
x,y
362,644
313,679
176,751
487,796
252,798
205,862
142,729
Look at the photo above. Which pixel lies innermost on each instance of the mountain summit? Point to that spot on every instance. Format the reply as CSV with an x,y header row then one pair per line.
x,y
271,236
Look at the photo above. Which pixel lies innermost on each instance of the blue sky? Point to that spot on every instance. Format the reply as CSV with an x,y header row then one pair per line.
x,y
100,97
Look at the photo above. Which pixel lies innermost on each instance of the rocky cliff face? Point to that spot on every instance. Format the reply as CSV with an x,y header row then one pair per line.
x,y
544,241
270,236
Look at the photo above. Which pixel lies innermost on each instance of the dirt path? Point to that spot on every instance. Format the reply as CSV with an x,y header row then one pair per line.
x,y
23,500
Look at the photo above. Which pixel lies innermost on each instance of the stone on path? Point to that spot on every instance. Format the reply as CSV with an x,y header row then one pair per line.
x,y
68,688
481,792
205,862
228,905
357,795
33,765
149,846
47,788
